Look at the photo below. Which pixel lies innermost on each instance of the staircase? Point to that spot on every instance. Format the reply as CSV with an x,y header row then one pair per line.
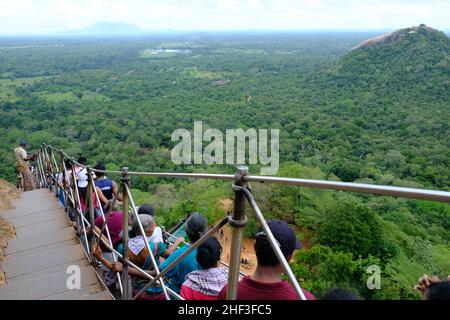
x,y
36,261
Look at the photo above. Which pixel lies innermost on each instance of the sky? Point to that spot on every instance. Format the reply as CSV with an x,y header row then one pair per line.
x,y
47,16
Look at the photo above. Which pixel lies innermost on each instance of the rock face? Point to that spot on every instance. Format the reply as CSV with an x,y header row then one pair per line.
x,y
7,192
411,63
393,37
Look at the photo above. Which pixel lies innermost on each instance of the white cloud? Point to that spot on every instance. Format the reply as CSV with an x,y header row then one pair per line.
x,y
41,16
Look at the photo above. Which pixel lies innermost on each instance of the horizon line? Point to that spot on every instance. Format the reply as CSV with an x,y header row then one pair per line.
x,y
74,34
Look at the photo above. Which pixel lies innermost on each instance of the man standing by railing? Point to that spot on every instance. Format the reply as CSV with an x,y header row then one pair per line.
x,y
22,159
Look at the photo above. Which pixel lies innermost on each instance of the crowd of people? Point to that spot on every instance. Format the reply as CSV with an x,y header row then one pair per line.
x,y
199,274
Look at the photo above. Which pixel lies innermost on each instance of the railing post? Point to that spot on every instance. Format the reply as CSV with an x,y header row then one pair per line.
x,y
124,181
90,190
57,170
77,204
64,180
237,223
47,167
38,168
43,183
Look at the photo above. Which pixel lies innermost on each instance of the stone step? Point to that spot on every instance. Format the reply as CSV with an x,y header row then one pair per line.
x,y
75,294
24,221
29,263
103,295
42,227
44,248
40,240
13,214
45,285
59,268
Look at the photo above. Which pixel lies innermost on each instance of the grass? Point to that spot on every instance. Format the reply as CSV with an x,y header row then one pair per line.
x,y
8,87
70,96
195,73
92,96
8,91
58,97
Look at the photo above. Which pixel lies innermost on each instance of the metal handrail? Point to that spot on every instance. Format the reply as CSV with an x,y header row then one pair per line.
x,y
237,221
392,191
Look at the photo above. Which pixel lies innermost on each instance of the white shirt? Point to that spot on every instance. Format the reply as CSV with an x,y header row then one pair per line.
x,y
156,236
82,178
21,155
136,244
59,177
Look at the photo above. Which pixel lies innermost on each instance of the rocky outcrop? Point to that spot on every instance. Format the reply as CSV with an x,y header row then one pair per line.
x,y
393,37
7,232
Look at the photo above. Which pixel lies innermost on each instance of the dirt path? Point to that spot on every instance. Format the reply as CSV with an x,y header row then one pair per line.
x,y
248,257
7,193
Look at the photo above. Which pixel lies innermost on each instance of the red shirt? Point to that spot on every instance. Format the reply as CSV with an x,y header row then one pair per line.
x,y
114,224
189,294
249,289
95,203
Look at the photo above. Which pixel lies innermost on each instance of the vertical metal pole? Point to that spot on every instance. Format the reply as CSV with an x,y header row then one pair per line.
x,y
38,180
155,265
237,224
47,167
43,172
41,169
90,189
38,168
58,171
76,201
105,228
64,180
124,180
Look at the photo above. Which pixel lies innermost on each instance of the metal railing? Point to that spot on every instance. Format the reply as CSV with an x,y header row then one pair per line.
x,y
50,172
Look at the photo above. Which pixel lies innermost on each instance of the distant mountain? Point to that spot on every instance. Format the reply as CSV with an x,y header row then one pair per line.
x,y
104,28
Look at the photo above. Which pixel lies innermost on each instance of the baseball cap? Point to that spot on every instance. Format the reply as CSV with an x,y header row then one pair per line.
x,y
284,235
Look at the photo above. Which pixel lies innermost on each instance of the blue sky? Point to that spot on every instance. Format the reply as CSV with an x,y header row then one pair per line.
x,y
46,16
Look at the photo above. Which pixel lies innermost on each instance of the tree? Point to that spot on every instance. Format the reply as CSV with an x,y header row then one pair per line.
x,y
352,227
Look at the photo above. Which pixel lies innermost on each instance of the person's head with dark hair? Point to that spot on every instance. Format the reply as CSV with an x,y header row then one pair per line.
x,y
208,253
146,209
23,144
266,282
196,226
285,238
82,160
340,294
438,291
100,166
68,164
